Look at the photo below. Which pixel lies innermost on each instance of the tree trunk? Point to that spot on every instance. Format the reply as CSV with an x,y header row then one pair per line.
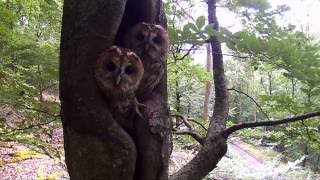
x,y
178,99
208,86
254,106
238,101
306,153
270,82
96,146
293,88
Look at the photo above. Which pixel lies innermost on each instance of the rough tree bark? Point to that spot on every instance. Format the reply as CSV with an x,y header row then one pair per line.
x,y
96,147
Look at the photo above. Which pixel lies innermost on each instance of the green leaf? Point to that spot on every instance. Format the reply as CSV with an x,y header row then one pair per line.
x,y
200,22
209,30
191,26
173,35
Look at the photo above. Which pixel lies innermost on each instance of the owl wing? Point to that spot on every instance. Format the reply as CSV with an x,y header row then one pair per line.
x,y
152,77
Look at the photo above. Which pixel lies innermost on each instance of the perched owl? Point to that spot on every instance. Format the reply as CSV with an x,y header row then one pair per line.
x,y
118,72
151,43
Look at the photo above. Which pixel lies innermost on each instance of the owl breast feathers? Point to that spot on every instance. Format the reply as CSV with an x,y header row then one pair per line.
x,y
151,43
118,72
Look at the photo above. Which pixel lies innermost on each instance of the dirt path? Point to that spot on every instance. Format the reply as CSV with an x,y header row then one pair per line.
x,y
241,163
253,167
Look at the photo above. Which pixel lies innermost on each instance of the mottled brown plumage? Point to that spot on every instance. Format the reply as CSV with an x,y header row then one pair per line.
x,y
151,43
118,72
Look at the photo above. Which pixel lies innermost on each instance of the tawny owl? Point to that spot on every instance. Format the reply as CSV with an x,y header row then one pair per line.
x,y
151,43
118,72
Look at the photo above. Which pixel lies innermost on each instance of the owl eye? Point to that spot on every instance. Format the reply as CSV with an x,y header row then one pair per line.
x,y
129,70
157,40
110,66
140,36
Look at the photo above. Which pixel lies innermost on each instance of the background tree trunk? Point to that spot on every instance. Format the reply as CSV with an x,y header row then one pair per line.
x,y
208,85
254,94
96,146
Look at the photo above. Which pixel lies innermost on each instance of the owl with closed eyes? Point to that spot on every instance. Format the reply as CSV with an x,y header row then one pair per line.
x,y
118,72
151,43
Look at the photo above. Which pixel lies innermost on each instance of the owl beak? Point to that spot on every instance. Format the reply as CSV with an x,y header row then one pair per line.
x,y
118,79
147,46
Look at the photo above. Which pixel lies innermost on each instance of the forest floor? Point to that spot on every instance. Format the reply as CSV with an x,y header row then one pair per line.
x,y
19,162
242,161
248,162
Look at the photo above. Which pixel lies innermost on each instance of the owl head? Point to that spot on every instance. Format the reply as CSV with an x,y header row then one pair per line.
x,y
147,39
118,71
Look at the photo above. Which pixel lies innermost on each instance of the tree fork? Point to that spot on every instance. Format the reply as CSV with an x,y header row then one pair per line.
x,y
215,145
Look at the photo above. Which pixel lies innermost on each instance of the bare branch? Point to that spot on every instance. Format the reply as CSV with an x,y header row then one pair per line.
x,y
31,109
203,127
38,110
190,132
237,127
50,86
187,53
179,49
193,134
31,126
235,55
232,89
185,121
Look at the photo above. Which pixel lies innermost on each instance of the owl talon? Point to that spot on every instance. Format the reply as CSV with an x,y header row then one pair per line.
x,y
138,112
138,106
